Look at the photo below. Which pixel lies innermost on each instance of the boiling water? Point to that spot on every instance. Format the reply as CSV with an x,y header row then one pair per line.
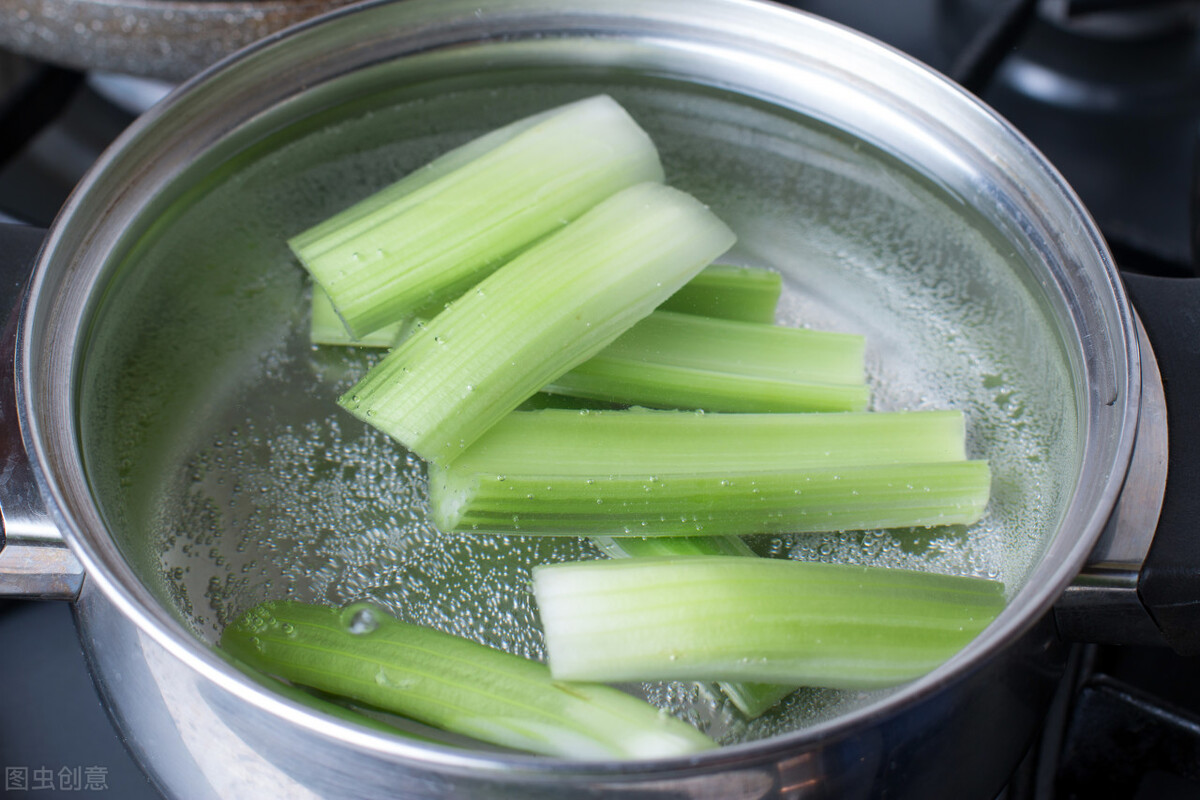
x,y
230,476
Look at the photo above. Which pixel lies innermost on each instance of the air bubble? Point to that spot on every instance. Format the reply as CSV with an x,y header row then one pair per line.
x,y
360,619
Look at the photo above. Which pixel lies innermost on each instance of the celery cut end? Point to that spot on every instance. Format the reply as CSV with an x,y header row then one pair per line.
x,y
435,233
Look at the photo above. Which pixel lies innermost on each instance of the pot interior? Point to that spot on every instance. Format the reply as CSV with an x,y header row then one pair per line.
x,y
227,474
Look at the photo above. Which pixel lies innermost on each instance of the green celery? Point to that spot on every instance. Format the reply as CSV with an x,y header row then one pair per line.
x,y
799,501
326,705
648,546
452,683
755,619
671,360
326,327
656,473
725,291
566,442
752,699
721,291
549,309
431,236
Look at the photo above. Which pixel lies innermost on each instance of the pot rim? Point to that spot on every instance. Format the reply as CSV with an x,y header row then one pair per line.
x,y
1107,415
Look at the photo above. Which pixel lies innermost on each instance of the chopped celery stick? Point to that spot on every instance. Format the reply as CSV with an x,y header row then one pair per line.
x,y
721,291
724,291
752,699
755,619
452,683
645,546
671,360
670,473
804,500
317,703
431,236
326,327
552,307
642,441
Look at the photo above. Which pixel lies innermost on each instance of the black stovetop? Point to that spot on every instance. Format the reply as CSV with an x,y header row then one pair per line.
x,y
1111,95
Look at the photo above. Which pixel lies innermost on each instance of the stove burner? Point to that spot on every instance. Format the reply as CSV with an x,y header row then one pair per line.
x,y
1109,90
1122,19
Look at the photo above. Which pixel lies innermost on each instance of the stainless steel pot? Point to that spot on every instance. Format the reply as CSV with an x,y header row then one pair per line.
x,y
182,439
167,39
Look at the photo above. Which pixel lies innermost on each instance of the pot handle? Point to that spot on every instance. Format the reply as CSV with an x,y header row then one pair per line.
x,y
35,562
1141,585
1169,581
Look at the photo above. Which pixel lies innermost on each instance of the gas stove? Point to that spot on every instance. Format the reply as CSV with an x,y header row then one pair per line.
x,y
1109,90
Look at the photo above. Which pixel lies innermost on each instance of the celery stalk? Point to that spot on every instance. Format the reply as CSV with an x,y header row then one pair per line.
x,y
755,619
648,546
636,441
752,699
798,501
326,327
725,291
671,360
721,291
326,705
430,237
647,473
551,308
452,683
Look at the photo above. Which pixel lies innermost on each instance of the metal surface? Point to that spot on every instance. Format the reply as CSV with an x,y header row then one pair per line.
x,y
1102,605
201,742
168,39
34,560
205,720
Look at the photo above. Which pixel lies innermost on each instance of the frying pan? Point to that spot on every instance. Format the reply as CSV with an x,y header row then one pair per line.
x,y
182,437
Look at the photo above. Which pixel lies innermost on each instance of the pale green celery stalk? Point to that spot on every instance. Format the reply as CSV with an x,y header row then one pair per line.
x,y
752,699
669,473
326,327
798,501
721,291
725,291
431,237
452,683
755,619
325,706
637,441
755,698
671,360
549,309
644,547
